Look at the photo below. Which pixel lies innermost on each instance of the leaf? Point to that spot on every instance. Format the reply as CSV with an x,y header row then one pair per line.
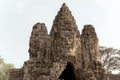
x,y
110,58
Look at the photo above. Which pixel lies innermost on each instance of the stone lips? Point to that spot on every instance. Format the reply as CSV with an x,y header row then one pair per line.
x,y
63,54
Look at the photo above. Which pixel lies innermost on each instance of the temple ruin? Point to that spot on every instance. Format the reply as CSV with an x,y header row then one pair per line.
x,y
64,54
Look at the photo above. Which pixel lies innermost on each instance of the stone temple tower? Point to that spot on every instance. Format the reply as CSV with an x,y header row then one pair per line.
x,y
63,54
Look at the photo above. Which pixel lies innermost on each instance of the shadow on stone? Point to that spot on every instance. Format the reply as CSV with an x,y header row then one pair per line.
x,y
68,73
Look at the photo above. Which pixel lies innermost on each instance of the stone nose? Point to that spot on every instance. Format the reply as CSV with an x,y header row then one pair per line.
x,y
67,42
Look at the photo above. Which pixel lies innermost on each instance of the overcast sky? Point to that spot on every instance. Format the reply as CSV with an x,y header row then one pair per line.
x,y
17,18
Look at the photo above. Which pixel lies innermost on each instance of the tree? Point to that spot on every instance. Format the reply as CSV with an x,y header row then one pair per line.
x,y
4,67
110,58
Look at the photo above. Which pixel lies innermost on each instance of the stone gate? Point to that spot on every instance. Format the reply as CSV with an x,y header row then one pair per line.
x,y
64,54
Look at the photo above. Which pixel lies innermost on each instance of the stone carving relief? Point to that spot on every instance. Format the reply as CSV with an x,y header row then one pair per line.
x,y
63,54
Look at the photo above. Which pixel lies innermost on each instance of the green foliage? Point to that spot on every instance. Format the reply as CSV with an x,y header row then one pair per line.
x,y
110,58
4,67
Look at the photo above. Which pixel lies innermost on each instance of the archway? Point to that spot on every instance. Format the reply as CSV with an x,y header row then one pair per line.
x,y
68,73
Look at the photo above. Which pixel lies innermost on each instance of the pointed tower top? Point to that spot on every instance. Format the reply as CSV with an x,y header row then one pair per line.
x,y
64,5
64,9
64,21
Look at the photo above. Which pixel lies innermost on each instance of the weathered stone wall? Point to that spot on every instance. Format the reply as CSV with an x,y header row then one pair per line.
x,y
64,54
15,74
91,64
39,43
39,65
89,43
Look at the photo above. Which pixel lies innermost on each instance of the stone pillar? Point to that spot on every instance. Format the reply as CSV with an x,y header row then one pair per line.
x,y
90,51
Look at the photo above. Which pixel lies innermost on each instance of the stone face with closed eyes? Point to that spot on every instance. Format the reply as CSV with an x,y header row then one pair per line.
x,y
63,54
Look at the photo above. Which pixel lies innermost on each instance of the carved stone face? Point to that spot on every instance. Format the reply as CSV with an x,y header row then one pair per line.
x,y
67,40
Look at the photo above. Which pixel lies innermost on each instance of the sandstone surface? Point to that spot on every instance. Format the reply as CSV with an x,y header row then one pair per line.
x,y
63,54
